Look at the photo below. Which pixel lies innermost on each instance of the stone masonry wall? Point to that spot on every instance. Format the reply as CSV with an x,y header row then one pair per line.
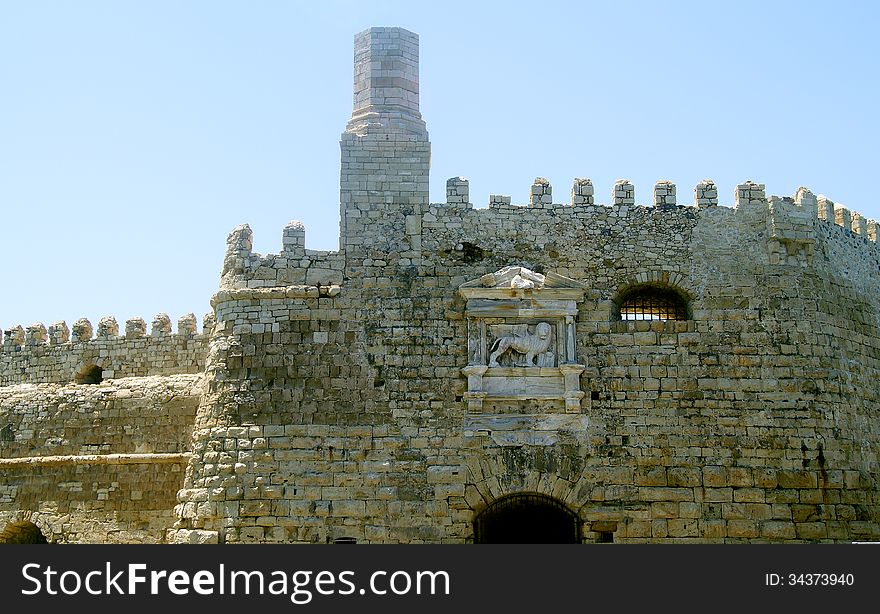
x,y
96,463
753,420
40,355
337,408
332,402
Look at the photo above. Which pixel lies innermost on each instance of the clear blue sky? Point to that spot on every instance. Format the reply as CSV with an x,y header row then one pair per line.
x,y
135,135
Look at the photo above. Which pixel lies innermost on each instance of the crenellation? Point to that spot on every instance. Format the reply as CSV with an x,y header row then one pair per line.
x,y
706,194
208,324
656,372
293,241
749,193
36,334
108,328
161,325
805,198
293,265
187,325
59,333
13,338
826,209
39,356
842,216
81,331
135,328
623,193
582,192
239,247
859,224
541,193
664,194
457,190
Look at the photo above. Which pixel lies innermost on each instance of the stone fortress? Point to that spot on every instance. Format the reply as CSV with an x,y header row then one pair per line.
x,y
548,372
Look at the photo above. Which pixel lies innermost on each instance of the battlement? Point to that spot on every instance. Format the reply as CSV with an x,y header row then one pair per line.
x,y
804,205
682,371
294,265
61,354
788,224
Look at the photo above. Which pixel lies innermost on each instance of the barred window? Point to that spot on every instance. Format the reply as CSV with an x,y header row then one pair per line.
x,y
651,303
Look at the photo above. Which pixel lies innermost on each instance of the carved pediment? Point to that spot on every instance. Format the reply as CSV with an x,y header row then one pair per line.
x,y
514,281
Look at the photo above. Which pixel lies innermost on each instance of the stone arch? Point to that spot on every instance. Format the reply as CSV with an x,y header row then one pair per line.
x,y
43,523
666,288
527,518
90,373
22,532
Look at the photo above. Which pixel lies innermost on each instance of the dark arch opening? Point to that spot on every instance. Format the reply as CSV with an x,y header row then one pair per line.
x,y
90,374
527,519
345,540
22,533
648,302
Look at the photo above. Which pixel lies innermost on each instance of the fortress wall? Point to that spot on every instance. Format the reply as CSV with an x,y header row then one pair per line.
x,y
96,463
599,245
39,355
751,421
335,404
290,395
294,265
848,258
99,500
122,416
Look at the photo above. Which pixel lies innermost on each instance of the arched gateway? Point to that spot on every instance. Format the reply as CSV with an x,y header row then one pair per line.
x,y
24,532
527,518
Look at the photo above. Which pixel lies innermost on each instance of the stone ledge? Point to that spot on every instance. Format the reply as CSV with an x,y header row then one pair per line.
x,y
95,459
281,292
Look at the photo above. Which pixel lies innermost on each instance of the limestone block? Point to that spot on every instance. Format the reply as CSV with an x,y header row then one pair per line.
x,y
36,334
135,328
706,194
82,330
107,328
187,325
161,325
59,333
623,193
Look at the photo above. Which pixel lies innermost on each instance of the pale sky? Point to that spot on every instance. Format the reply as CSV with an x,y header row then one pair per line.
x,y
135,135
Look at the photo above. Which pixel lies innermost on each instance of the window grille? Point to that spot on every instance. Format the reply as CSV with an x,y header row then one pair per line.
x,y
653,304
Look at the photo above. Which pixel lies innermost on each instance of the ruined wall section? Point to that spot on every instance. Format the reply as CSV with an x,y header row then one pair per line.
x,y
146,415
294,265
96,463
